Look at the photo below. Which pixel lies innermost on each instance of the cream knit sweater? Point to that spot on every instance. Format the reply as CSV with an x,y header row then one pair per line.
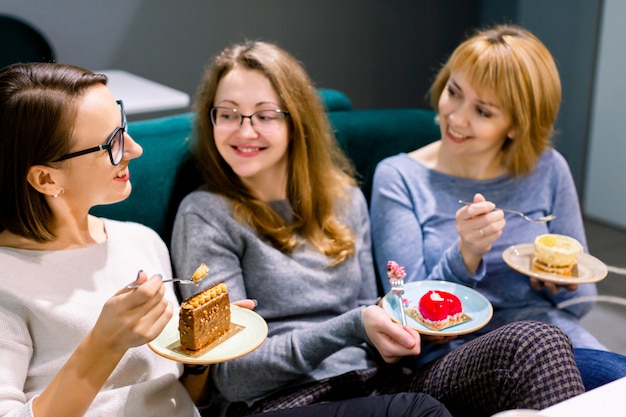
x,y
49,300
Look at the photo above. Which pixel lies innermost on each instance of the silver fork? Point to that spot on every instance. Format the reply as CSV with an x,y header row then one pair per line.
x,y
181,280
519,213
397,289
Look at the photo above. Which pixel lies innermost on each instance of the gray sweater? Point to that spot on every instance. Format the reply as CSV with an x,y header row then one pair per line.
x,y
313,311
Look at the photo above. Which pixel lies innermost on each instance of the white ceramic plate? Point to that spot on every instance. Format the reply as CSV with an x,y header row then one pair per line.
x,y
588,269
474,304
248,331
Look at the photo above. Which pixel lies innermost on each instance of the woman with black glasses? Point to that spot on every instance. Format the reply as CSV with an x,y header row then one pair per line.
x,y
114,144
73,337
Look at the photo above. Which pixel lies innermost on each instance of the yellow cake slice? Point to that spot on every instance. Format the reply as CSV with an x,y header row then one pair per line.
x,y
556,253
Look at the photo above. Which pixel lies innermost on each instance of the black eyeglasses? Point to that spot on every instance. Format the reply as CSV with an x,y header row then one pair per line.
x,y
263,121
114,144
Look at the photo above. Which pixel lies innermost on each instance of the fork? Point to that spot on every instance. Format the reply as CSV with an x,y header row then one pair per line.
x,y
180,280
519,213
397,288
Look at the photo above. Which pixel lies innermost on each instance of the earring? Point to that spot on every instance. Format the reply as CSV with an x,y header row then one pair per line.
x,y
61,191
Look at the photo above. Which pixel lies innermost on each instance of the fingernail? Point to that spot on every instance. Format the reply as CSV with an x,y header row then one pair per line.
x,y
256,303
138,273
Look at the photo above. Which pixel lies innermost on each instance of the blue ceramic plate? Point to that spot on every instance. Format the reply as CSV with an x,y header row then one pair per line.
x,y
474,304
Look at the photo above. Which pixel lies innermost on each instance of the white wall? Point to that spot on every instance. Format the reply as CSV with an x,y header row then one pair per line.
x,y
605,185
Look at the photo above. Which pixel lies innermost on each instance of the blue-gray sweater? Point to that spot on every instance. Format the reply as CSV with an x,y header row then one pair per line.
x,y
413,222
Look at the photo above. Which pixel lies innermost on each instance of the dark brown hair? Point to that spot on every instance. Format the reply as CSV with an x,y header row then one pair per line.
x,y
319,173
37,112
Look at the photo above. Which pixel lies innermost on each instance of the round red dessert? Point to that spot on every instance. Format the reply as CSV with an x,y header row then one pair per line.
x,y
438,305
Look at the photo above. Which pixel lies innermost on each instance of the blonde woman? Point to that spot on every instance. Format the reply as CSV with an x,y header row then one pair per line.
x,y
497,99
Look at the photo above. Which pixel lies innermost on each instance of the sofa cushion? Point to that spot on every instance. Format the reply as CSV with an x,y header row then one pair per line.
x,y
368,136
334,100
155,176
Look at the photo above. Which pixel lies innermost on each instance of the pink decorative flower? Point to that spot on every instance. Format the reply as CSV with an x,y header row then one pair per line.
x,y
395,271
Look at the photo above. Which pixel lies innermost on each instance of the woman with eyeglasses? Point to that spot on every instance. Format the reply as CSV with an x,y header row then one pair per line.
x,y
72,336
282,220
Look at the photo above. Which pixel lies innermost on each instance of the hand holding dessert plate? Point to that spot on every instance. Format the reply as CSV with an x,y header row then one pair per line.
x,y
248,330
474,304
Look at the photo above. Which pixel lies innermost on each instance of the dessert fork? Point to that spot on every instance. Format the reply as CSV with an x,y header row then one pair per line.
x,y
397,289
519,213
180,280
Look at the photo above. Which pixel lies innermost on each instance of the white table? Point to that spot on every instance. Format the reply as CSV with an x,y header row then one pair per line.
x,y
609,399
141,95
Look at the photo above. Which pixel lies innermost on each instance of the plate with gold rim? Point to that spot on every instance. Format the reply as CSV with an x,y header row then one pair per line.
x,y
247,332
475,305
587,270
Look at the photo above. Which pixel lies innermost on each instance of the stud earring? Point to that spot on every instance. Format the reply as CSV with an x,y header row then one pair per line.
x,y
61,191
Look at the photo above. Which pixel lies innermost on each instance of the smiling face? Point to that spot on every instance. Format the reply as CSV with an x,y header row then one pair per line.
x,y
473,123
259,159
91,179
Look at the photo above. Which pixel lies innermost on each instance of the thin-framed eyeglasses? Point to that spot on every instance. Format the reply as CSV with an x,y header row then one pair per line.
x,y
262,120
114,144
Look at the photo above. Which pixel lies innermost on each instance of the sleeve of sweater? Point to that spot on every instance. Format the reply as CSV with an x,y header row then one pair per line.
x,y
15,350
397,230
204,230
362,229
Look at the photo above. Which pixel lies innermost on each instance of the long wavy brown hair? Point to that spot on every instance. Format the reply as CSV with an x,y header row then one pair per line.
x,y
319,173
516,67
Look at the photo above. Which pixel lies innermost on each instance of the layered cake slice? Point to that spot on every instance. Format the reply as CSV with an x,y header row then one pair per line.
x,y
204,318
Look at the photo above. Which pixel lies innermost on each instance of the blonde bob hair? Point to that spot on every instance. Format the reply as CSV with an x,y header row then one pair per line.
x,y
514,65
319,174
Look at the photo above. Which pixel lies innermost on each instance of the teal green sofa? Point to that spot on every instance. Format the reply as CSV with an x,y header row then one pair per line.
x,y
165,172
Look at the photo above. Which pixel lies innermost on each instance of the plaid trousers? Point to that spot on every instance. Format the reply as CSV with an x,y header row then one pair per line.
x,y
525,364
